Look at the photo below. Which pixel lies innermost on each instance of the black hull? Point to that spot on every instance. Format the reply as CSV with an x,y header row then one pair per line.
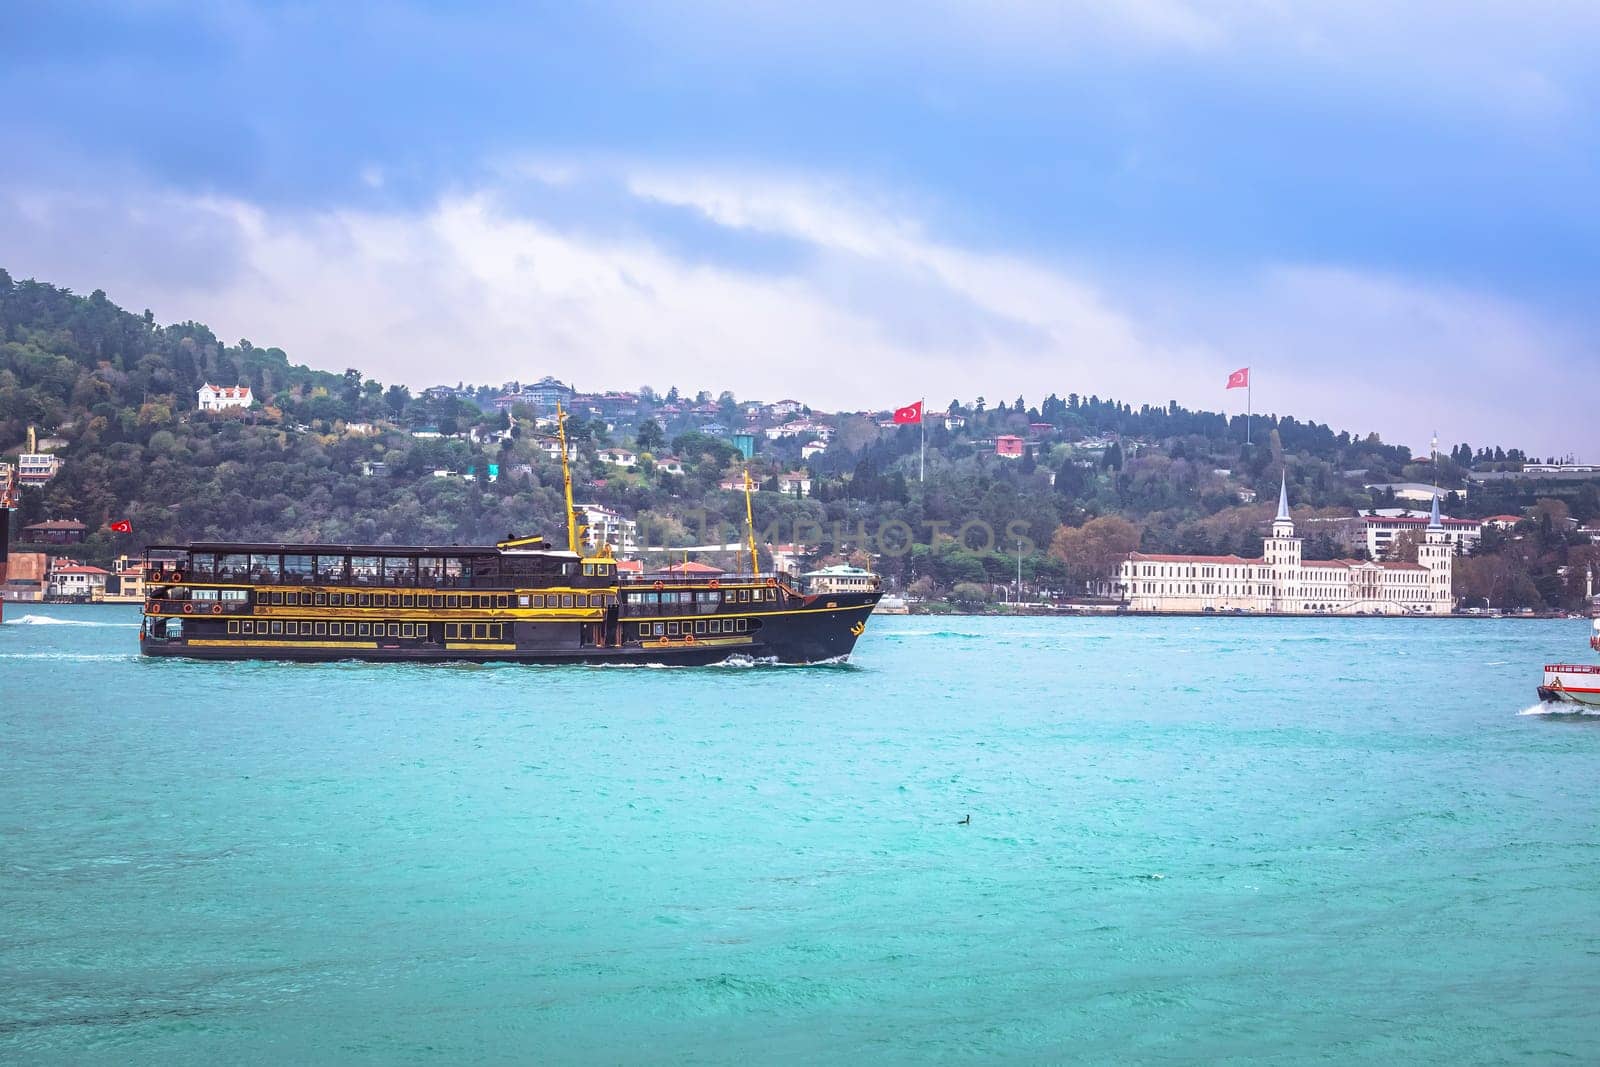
x,y
807,637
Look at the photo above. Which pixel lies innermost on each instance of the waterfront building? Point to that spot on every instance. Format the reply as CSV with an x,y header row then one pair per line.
x,y
25,577
222,397
76,581
1281,581
126,584
840,578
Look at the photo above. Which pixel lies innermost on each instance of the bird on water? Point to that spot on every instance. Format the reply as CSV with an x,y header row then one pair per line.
x,y
966,821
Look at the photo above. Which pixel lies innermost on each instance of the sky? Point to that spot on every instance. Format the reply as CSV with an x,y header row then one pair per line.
x,y
1389,212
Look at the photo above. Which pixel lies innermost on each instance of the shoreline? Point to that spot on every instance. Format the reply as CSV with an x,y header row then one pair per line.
x,y
1100,614
1025,612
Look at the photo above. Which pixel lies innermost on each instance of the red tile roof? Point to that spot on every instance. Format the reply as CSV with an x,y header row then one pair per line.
x,y
689,568
1146,557
1238,561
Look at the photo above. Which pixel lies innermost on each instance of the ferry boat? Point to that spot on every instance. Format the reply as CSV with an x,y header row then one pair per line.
x,y
520,600
1573,683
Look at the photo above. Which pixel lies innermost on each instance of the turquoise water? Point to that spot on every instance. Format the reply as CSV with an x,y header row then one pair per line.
x,y
1190,840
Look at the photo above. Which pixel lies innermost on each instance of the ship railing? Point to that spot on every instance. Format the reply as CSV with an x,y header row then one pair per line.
x,y
672,581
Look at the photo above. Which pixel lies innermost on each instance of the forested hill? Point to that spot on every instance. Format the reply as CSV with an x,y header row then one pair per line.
x,y
332,457
120,389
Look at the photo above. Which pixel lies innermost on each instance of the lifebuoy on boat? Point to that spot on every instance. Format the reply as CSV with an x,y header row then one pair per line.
x,y
188,609
152,607
661,585
714,584
688,639
216,609
772,581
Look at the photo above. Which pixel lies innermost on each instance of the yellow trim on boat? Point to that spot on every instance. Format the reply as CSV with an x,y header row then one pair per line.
x,y
210,642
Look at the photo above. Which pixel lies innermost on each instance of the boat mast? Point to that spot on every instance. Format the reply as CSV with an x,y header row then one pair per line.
x,y
750,525
566,480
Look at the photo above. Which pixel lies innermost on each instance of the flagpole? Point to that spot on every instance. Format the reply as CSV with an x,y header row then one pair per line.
x,y
1249,406
922,428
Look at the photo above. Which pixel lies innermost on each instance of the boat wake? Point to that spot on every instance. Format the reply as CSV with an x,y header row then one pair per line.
x,y
733,663
1561,711
45,620
75,657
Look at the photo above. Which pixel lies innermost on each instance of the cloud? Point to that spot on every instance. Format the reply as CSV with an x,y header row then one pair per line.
x,y
592,273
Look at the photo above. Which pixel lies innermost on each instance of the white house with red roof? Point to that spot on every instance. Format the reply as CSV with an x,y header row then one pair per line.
x,y
1282,582
222,397
68,578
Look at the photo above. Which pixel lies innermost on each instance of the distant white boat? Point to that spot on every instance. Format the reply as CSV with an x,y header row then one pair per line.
x,y
1573,683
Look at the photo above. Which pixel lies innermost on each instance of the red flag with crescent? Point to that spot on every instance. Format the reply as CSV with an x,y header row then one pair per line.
x,y
122,526
1239,379
909,413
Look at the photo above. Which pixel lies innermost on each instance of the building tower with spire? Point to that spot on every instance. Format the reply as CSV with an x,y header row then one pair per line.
x,y
1436,554
1282,550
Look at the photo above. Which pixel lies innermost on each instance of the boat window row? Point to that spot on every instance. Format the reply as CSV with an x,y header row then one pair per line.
x,y
696,601
274,568
226,596
705,596
696,627
338,628
475,601
473,631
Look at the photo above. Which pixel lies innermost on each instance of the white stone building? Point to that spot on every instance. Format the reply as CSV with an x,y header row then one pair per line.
x,y
221,397
1281,582
71,579
36,468
1384,530
602,526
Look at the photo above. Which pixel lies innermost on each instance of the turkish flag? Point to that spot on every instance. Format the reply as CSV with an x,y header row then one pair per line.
x,y
1239,379
909,413
122,526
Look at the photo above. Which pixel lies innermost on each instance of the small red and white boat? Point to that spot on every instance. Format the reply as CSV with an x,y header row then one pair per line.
x,y
1573,683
